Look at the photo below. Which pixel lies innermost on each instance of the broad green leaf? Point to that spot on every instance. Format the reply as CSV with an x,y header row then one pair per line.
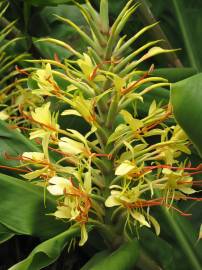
x,y
179,8
5,234
124,258
22,209
157,248
186,99
174,74
13,143
185,237
47,252
39,3
96,259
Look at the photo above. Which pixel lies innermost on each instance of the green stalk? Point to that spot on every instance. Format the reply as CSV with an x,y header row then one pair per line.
x,y
103,167
106,232
185,32
182,240
112,111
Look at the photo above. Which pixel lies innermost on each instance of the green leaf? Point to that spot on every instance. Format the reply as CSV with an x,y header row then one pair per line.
x,y
39,3
179,8
97,258
13,143
174,74
5,234
124,258
22,209
184,235
186,99
46,252
157,248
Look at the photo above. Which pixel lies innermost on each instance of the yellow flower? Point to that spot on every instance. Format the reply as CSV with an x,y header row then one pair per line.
x,y
131,201
33,156
75,206
43,117
59,185
122,197
45,81
4,115
177,181
70,146
89,69
86,65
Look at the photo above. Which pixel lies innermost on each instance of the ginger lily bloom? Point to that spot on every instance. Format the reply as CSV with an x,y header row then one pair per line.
x,y
48,126
76,203
59,185
33,156
129,199
45,81
43,117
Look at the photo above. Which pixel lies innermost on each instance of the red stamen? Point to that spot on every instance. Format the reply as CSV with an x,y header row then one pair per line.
x,y
56,58
21,71
157,202
179,211
56,87
194,199
144,76
13,169
192,173
15,126
174,168
94,72
8,157
109,156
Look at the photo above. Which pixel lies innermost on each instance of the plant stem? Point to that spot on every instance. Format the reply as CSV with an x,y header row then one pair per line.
x,y
185,32
148,18
146,263
106,231
112,111
182,240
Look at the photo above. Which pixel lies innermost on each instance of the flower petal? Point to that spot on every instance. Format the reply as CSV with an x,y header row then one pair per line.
x,y
84,235
62,212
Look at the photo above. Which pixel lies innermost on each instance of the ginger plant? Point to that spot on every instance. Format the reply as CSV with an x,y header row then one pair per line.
x,y
111,176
